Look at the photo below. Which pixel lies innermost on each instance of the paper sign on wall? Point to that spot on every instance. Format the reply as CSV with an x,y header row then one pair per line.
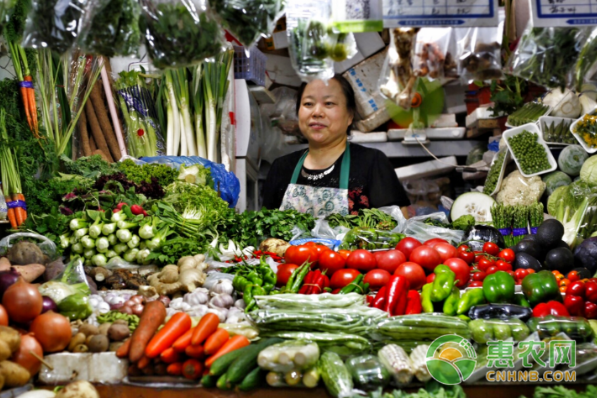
x,y
564,12
440,13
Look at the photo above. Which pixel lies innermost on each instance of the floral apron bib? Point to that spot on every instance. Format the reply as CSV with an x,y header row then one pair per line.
x,y
318,201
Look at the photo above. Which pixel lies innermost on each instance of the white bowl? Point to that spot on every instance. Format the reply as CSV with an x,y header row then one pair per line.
x,y
580,140
549,120
533,128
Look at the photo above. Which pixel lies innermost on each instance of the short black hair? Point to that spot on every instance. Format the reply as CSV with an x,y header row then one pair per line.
x,y
348,91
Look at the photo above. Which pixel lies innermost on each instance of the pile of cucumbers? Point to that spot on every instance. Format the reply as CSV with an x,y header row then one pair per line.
x,y
485,330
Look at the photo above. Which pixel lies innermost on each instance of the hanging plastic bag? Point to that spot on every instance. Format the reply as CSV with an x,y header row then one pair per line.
x,y
417,228
53,24
397,79
142,131
479,53
546,56
179,33
431,53
6,7
47,247
586,64
111,28
248,20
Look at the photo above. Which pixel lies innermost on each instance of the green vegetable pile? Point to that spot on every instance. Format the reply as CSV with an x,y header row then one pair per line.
x,y
165,174
563,392
370,239
367,218
494,173
111,316
176,36
558,132
531,155
529,113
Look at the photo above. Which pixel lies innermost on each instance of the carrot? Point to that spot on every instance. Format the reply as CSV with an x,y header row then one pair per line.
x,y
22,198
233,344
144,362
152,317
176,327
216,341
195,351
183,341
32,106
192,369
25,96
98,136
104,122
174,369
12,216
170,356
19,210
123,350
207,325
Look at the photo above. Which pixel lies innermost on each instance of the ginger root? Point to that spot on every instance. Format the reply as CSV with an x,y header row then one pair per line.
x,y
187,276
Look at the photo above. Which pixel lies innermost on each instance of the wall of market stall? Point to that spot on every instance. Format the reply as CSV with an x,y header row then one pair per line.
x,y
152,276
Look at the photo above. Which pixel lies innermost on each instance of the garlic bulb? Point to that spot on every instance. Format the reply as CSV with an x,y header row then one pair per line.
x,y
222,286
222,313
221,301
240,304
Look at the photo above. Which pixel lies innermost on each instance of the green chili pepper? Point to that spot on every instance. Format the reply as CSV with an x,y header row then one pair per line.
x,y
469,299
298,281
426,298
352,286
443,283
249,294
451,303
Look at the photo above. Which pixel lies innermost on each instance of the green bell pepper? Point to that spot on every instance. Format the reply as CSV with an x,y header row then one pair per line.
x,y
451,303
443,283
498,288
541,288
426,298
76,306
469,299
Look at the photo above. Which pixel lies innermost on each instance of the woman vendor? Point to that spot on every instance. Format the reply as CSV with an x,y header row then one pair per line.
x,y
332,175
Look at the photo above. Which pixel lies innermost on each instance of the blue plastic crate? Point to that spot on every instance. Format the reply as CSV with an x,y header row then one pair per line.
x,y
251,68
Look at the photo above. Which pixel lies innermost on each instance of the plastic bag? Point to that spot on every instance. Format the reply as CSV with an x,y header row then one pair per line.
x,y
47,247
111,27
309,302
370,239
367,372
179,33
431,53
3,207
6,7
54,24
357,15
547,56
142,130
340,343
294,378
586,64
484,330
70,282
288,356
517,189
323,230
479,52
416,228
576,328
225,182
397,79
248,20
419,327
284,115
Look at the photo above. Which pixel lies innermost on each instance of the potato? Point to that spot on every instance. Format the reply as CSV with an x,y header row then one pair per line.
x,y
14,374
10,337
104,327
115,346
77,339
5,351
23,253
4,264
118,332
88,340
78,389
88,329
99,343
81,348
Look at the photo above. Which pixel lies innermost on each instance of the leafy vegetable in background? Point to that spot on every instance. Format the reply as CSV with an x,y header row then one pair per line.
x,y
173,249
308,48
88,167
138,174
52,225
151,190
6,7
176,35
367,218
247,20
586,59
507,95
197,202
114,28
563,392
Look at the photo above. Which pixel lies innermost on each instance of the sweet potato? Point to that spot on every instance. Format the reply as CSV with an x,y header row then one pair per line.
x,y
14,374
152,318
30,272
4,264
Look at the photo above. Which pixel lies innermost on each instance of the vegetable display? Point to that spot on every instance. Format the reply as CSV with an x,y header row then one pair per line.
x,y
529,152
528,113
558,132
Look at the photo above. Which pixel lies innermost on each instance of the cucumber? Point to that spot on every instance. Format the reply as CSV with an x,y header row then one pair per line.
x,y
209,381
221,365
221,384
254,379
241,367
335,375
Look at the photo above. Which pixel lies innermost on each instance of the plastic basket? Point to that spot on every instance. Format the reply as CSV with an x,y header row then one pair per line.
x,y
251,68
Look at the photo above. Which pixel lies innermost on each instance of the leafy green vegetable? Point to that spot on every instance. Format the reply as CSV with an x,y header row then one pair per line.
x,y
6,7
88,167
51,225
588,172
463,222
197,202
367,218
165,174
507,97
173,249
177,35
586,59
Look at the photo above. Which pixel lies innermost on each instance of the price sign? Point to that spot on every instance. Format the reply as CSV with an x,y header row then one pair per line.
x,y
564,12
440,13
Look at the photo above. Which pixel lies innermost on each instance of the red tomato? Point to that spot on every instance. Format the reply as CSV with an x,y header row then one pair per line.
x,y
390,260
376,278
362,260
503,266
476,284
426,256
298,255
430,278
414,273
435,241
331,261
507,255
344,253
468,257
343,277
310,244
284,272
378,255
318,250
491,248
478,276
492,270
461,269
484,263
445,251
407,245
464,248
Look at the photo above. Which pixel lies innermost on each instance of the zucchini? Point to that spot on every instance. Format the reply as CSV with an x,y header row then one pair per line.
x,y
209,381
222,384
253,380
241,367
221,365
336,377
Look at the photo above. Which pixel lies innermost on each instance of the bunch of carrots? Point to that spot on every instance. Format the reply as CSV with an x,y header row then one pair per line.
x,y
177,349
11,181
21,67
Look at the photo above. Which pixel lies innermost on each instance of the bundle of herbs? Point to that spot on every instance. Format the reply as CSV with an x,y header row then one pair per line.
x,y
178,33
112,28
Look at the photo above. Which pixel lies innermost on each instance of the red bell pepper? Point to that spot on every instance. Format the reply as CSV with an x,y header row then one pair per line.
x,y
591,291
380,298
575,305
590,310
576,288
550,308
413,303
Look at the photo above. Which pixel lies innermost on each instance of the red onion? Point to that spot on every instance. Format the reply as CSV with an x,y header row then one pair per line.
x,y
138,309
126,310
115,306
129,303
137,299
7,279
165,300
48,304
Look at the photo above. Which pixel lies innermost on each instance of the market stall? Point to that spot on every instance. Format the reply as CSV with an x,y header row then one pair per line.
x,y
134,260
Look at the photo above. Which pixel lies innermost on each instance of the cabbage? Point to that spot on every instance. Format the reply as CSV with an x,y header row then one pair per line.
x,y
555,180
57,291
588,172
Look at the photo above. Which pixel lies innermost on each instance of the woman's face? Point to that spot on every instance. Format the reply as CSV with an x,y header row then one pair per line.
x,y
323,116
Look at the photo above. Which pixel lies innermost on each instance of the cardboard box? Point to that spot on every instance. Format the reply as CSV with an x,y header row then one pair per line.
x,y
372,122
364,79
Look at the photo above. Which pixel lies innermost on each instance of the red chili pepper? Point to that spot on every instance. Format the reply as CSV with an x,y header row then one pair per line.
x,y
380,298
590,310
370,300
397,286
319,283
306,284
550,308
575,305
400,308
413,303
311,288
326,280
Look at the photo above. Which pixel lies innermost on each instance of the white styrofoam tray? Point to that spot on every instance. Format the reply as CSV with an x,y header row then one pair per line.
x,y
431,133
548,120
533,128
428,168
549,110
502,170
375,136
580,140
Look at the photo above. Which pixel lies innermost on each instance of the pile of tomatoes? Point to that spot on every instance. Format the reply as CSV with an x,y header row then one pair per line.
x,y
488,261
